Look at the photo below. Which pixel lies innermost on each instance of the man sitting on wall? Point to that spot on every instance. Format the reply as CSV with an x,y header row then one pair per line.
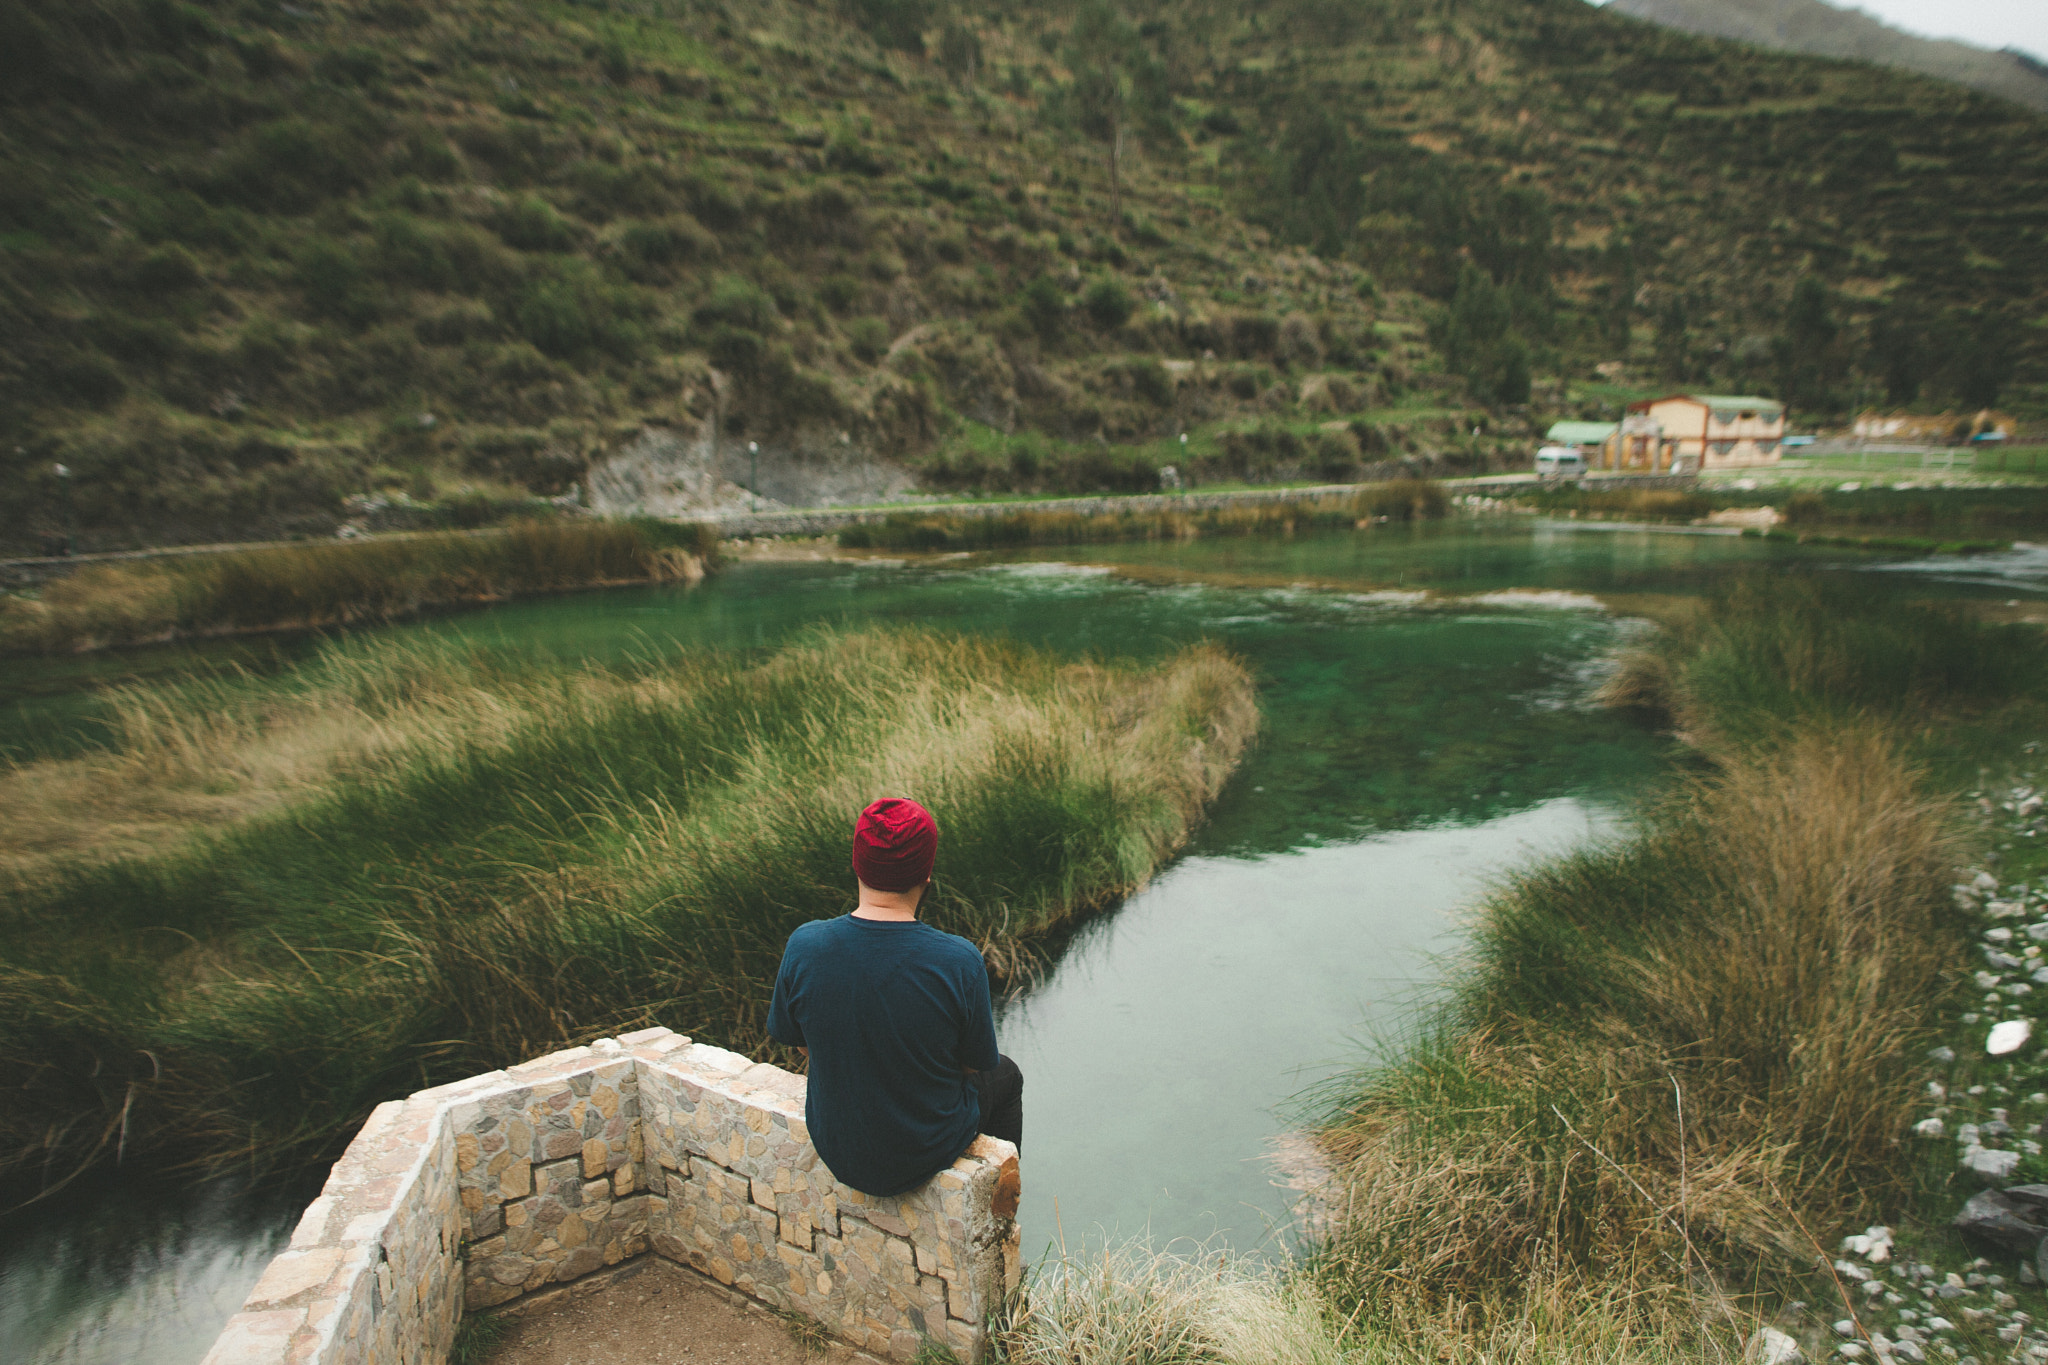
x,y
895,1018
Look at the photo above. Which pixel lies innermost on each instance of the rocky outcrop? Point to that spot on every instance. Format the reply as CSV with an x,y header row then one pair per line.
x,y
682,472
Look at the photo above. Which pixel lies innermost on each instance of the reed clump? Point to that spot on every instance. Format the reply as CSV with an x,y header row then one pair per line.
x,y
1774,652
1632,504
333,583
605,850
1669,1059
1400,500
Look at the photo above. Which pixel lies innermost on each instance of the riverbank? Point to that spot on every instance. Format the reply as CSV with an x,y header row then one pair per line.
x,y
408,862
1915,517
195,592
1676,1068
136,599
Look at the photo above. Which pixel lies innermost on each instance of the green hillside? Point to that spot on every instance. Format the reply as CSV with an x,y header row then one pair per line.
x,y
257,257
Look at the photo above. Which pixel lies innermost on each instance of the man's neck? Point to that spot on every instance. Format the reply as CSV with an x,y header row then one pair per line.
x,y
888,905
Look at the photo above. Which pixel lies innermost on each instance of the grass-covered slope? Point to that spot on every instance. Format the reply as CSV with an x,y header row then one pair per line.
x,y
410,864
256,258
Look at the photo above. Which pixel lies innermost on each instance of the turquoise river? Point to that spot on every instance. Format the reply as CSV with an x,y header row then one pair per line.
x,y
1427,728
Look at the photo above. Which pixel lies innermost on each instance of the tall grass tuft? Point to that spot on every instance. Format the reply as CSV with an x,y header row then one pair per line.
x,y
1634,504
343,582
598,851
1668,1056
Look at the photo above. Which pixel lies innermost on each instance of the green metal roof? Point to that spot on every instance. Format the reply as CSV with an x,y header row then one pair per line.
x,y
1723,400
1581,433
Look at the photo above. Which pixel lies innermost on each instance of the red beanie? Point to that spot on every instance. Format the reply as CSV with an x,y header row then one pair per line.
x,y
894,843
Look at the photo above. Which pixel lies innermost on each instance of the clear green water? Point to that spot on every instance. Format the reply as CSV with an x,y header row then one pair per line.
x,y
1412,752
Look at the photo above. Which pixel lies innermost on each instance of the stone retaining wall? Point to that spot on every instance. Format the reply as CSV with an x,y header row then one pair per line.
x,y
470,1195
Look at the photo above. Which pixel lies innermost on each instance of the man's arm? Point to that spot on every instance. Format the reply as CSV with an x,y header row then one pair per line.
x,y
782,1023
978,1038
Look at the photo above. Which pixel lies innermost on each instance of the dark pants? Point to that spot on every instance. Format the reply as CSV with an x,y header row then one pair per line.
x,y
1002,1100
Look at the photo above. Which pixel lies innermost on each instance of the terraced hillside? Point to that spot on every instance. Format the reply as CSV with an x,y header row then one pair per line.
x,y
258,258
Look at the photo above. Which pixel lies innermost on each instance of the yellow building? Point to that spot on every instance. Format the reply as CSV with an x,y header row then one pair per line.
x,y
1713,430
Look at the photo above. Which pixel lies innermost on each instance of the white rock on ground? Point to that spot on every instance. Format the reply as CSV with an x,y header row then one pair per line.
x,y
1990,1164
2008,1037
1769,1346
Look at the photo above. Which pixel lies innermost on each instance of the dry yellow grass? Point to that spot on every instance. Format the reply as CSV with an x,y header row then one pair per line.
x,y
209,755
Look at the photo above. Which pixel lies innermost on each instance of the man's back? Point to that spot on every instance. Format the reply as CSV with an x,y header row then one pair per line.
x,y
891,1010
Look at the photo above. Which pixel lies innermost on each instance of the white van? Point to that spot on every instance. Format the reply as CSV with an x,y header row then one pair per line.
x,y
1560,462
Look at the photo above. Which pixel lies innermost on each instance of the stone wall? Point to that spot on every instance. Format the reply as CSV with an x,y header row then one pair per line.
x,y
470,1195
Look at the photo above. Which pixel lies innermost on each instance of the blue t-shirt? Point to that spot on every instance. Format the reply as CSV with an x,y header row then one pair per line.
x,y
891,1010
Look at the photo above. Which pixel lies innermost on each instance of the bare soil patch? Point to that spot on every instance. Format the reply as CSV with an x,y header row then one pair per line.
x,y
657,1313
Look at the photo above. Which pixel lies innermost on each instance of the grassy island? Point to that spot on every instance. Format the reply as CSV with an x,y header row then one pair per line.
x,y
342,582
407,863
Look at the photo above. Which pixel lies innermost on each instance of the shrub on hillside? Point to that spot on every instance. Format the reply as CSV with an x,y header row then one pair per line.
x,y
1333,456
290,164
1257,454
736,301
1109,304
1043,305
713,203
869,338
839,292
604,191
1252,336
1297,342
655,249
84,377
334,281
531,223
167,269
570,310
449,257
